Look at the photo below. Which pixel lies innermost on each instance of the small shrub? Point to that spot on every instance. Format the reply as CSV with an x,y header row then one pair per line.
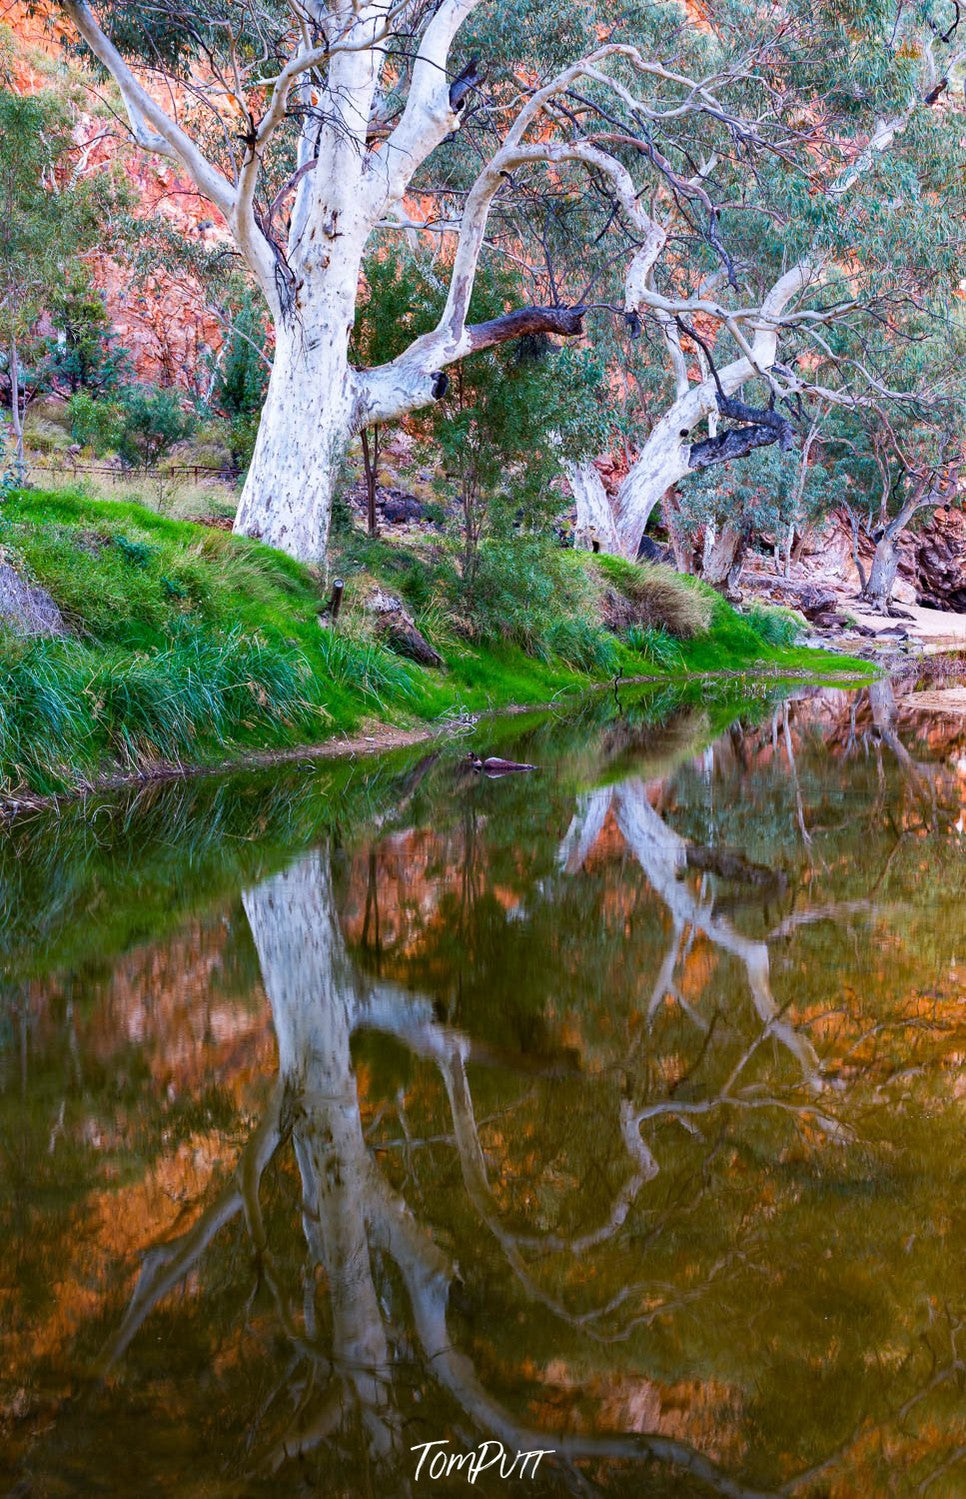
x,y
95,424
138,553
140,423
530,593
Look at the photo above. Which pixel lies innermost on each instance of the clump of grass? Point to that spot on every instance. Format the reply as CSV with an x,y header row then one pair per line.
x,y
654,597
67,709
775,626
656,646
359,664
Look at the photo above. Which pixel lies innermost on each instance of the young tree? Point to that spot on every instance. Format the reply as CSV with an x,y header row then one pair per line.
x,y
45,223
242,379
494,436
319,122
82,354
396,292
772,491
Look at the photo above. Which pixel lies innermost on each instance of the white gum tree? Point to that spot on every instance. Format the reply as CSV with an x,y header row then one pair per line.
x,y
793,311
314,125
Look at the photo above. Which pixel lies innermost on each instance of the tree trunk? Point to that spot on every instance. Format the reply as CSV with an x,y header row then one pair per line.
x,y
724,559
678,537
595,530
20,465
370,462
885,565
307,423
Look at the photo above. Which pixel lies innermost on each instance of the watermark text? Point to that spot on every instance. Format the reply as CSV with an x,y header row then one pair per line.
x,y
434,1462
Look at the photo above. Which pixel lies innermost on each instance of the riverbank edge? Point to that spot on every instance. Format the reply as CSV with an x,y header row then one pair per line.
x,y
385,738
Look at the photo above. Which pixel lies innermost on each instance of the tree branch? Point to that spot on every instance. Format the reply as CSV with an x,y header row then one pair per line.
x,y
169,139
565,322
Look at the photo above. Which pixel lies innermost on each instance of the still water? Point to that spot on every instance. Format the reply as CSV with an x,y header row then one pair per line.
x,y
612,1111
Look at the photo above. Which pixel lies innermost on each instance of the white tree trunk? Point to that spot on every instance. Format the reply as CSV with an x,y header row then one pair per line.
x,y
306,426
664,460
596,528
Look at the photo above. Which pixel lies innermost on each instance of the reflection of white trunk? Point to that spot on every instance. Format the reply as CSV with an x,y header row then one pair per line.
x,y
585,829
313,993
317,1000
662,854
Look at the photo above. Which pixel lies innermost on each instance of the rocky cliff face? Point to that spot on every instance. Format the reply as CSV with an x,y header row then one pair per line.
x,y
163,318
932,565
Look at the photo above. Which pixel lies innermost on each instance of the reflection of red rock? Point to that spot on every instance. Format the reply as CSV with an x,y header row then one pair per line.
x,y
701,1413
173,1004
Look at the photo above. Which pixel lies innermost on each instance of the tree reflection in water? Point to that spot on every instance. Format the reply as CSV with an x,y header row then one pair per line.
x,y
657,1190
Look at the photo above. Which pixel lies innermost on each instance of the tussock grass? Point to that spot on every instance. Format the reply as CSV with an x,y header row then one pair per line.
x,y
776,626
655,645
67,710
654,597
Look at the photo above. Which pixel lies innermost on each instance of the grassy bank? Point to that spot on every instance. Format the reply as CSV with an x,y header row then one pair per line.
x,y
187,645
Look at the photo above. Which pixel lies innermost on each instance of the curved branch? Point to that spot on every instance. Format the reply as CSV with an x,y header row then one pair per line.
x,y
167,139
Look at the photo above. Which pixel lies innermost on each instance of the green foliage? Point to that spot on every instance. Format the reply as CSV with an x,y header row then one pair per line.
x,y
153,419
141,425
496,439
83,356
359,664
45,222
530,593
66,708
242,380
764,492
243,374
94,423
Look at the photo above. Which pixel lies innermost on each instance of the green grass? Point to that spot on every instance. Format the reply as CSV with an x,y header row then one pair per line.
x,y
192,646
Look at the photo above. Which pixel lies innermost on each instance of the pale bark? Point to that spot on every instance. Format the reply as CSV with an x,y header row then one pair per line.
x,y
885,562
306,427
16,416
596,529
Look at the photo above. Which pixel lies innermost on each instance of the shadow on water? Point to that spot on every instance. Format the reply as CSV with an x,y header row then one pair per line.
x,y
612,1112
